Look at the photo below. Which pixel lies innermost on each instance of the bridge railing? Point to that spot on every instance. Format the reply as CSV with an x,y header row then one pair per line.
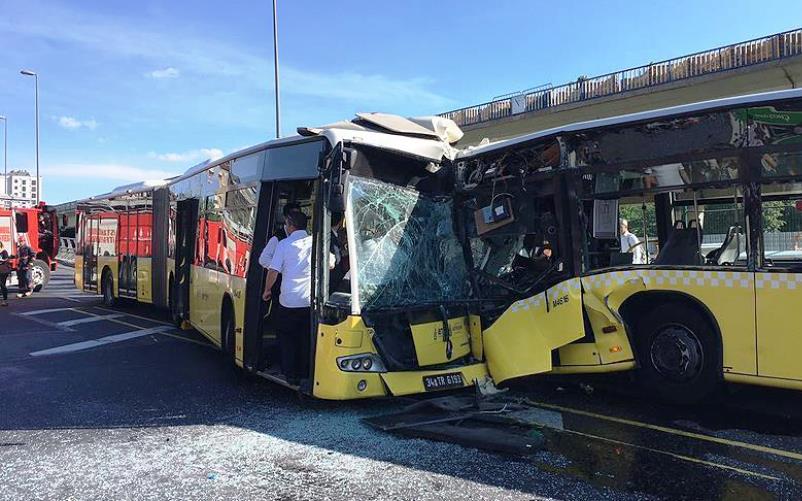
x,y
729,57
66,251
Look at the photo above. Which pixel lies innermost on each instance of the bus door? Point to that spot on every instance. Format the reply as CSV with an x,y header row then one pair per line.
x,y
91,232
186,222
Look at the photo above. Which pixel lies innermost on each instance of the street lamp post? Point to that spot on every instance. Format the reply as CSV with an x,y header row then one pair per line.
x,y
33,74
5,153
275,68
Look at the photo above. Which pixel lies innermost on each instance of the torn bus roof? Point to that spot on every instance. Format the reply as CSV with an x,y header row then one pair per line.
x,y
428,138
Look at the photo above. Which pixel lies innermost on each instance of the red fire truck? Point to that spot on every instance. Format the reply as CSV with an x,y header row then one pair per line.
x,y
39,226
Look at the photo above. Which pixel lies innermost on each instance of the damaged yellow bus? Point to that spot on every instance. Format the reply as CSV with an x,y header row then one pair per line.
x,y
402,315
669,241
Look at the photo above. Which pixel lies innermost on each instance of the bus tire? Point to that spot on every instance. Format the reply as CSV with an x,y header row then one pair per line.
x,y
40,275
679,354
107,289
228,331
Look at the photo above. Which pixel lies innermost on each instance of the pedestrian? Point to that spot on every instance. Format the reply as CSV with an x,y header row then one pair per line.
x,y
25,257
630,243
293,260
5,269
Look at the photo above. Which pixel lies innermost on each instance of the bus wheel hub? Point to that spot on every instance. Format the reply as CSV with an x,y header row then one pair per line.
x,y
676,353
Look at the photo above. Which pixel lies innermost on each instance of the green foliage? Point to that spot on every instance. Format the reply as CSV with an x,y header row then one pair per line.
x,y
774,215
634,214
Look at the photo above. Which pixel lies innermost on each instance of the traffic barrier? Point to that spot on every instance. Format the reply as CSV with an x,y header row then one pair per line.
x,y
66,251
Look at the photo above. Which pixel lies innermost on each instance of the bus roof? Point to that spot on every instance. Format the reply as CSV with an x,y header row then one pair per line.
x,y
727,102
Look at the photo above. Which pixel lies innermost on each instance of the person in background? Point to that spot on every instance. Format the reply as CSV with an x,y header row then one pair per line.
x,y
25,257
5,269
630,243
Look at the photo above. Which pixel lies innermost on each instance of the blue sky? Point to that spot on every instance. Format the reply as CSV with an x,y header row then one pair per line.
x,y
142,90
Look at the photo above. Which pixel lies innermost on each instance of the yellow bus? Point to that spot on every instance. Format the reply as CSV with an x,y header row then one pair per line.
x,y
670,239
401,316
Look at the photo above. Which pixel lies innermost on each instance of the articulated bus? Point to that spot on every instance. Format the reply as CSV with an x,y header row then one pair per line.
x,y
671,241
666,242
401,315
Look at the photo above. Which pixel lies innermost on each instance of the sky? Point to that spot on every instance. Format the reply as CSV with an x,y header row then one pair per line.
x,y
131,91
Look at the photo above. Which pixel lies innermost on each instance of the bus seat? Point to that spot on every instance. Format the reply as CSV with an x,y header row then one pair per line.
x,y
730,249
682,246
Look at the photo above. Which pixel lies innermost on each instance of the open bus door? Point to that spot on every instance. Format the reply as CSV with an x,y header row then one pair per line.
x,y
186,221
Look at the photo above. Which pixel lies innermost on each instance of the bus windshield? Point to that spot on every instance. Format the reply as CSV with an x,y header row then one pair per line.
x,y
405,249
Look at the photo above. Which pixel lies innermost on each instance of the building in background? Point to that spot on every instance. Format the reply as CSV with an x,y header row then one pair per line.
x,y
19,189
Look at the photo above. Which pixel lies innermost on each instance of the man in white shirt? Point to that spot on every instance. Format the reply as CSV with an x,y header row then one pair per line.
x,y
293,260
630,243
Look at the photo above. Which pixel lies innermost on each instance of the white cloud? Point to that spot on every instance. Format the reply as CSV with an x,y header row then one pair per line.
x,y
169,72
117,172
188,156
207,56
73,123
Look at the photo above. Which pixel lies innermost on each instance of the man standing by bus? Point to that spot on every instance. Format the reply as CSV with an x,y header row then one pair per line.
x,y
293,260
25,257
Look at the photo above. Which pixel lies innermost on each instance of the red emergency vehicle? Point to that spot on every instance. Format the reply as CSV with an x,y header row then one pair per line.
x,y
39,226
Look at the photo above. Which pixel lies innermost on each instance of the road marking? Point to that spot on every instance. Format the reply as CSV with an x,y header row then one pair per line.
x,y
678,456
94,343
88,320
674,431
135,316
42,312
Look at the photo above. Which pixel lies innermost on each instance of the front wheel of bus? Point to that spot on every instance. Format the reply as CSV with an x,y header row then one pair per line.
x,y
107,289
678,353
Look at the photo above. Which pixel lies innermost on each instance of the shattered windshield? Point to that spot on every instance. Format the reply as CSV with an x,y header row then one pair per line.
x,y
405,247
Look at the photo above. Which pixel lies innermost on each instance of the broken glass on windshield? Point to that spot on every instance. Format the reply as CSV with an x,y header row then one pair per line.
x,y
406,249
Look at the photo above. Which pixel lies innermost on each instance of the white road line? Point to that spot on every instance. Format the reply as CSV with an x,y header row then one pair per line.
x,y
94,343
135,316
88,320
48,310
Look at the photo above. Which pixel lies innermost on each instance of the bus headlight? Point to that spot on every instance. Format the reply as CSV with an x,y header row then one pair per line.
x,y
365,362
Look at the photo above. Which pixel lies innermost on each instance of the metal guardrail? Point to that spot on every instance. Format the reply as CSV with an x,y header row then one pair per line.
x,y
66,251
729,57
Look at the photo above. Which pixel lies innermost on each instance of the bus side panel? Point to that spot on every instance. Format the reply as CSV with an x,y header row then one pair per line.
x,y
521,340
144,285
728,295
78,273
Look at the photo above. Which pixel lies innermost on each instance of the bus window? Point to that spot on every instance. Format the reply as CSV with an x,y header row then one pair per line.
x,y
679,214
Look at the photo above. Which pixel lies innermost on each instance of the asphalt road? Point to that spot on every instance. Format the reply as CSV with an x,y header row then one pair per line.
x,y
116,404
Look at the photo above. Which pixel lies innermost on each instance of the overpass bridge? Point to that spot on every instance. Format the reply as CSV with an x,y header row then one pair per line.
x,y
768,63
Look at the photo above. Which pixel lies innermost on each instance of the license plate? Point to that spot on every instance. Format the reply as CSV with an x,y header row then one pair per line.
x,y
443,381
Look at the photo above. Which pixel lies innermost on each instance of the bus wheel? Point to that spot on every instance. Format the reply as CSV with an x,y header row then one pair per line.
x,y
40,274
107,289
227,331
678,354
